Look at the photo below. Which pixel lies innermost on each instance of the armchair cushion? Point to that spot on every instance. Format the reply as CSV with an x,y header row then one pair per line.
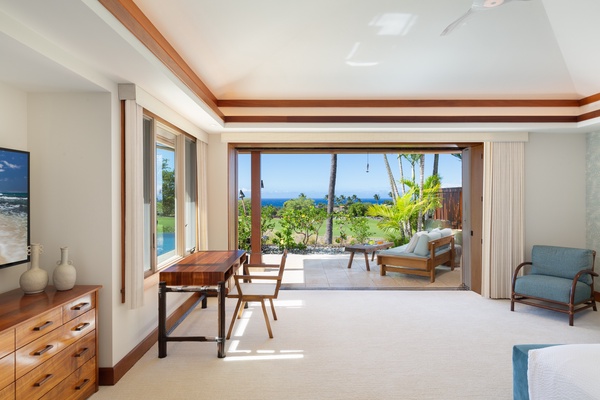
x,y
552,288
562,262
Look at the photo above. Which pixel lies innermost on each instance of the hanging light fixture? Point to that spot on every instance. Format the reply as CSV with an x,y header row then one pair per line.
x,y
367,163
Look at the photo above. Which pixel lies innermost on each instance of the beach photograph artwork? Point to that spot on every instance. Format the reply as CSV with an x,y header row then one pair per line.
x,y
14,207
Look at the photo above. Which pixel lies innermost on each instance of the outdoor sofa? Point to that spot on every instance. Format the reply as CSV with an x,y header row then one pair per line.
x,y
425,251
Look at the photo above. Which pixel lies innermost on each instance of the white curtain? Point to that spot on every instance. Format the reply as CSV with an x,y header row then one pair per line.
x,y
503,200
202,214
134,200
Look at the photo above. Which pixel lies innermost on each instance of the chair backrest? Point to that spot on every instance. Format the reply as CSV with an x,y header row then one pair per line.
x,y
280,274
562,262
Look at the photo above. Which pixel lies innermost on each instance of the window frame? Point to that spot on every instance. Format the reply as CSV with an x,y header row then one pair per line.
x,y
186,202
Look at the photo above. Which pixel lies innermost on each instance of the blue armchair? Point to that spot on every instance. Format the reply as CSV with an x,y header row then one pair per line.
x,y
559,279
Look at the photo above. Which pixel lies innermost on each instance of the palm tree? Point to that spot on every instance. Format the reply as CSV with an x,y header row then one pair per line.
x,y
401,168
331,199
394,191
376,197
421,182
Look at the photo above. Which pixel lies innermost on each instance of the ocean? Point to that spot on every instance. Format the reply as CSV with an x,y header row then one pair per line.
x,y
279,202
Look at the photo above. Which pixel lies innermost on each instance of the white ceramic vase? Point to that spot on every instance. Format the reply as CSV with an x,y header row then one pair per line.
x,y
35,279
65,274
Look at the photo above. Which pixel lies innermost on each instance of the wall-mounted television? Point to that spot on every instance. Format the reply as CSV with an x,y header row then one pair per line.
x,y
14,207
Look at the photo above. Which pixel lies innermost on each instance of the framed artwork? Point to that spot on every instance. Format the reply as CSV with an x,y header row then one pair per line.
x,y
14,207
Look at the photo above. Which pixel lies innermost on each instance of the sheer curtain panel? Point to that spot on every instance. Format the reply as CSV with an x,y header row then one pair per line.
x,y
134,200
503,201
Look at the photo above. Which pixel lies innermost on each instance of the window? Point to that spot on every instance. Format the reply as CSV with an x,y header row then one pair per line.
x,y
169,195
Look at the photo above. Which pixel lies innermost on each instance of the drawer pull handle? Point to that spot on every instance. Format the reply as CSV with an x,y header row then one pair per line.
x,y
40,383
43,326
80,306
82,352
85,382
81,326
44,350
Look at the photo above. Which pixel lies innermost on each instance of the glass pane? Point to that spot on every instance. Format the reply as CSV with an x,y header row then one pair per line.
x,y
165,202
148,176
190,195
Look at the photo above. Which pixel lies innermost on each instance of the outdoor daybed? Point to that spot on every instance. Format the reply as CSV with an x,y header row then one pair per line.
x,y
421,255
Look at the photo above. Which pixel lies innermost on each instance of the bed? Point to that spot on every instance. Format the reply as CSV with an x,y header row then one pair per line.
x,y
564,372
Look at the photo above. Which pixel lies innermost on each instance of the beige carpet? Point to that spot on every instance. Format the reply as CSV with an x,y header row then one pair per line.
x,y
340,344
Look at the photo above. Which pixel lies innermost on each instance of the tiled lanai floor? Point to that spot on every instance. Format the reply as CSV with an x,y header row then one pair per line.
x,y
323,271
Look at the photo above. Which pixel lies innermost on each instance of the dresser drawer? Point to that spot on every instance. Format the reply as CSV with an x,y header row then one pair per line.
x,y
77,307
46,376
7,342
81,384
30,356
38,326
79,327
7,370
8,393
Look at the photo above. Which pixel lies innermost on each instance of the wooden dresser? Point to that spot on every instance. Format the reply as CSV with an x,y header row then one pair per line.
x,y
49,344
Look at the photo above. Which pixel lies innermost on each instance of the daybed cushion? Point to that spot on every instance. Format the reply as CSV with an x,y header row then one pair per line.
x,y
561,262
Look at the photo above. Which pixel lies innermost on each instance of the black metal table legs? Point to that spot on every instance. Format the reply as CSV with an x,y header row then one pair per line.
x,y
163,334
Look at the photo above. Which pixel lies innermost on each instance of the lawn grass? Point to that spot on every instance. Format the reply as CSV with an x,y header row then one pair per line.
x,y
376,232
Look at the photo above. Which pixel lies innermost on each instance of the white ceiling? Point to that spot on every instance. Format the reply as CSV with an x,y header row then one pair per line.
x,y
311,50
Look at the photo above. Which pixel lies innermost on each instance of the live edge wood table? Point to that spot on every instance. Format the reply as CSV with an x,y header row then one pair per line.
x,y
366,249
203,272
49,344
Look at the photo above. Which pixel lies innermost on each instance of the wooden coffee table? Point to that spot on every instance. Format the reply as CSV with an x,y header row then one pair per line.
x,y
366,249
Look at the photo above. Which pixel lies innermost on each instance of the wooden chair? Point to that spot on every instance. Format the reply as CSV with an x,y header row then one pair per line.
x,y
267,287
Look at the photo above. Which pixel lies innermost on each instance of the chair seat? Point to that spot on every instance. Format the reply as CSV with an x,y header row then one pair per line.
x,y
551,288
265,290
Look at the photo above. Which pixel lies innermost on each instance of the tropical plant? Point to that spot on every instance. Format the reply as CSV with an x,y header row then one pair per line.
x,y
267,224
359,227
244,229
426,198
301,216
395,218
167,190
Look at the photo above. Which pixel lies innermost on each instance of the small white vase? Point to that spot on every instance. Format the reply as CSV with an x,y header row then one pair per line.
x,y
35,279
65,274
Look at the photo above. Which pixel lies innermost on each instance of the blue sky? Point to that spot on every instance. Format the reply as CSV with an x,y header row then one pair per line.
x,y
288,175
13,171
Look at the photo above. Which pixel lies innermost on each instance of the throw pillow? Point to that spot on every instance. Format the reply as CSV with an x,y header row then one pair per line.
x,y
422,248
446,232
435,235
413,242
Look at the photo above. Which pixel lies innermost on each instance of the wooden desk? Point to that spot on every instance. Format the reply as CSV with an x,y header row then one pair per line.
x,y
203,272
366,249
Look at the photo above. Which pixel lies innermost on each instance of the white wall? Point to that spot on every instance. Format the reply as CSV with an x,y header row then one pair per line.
x,y
13,135
217,193
70,140
593,198
555,190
